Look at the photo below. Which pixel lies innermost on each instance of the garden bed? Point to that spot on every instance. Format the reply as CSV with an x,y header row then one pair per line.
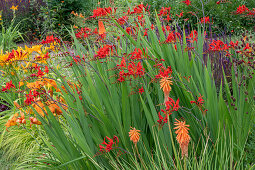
x,y
138,89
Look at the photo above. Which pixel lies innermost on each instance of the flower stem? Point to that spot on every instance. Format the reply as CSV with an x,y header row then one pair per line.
x,y
172,140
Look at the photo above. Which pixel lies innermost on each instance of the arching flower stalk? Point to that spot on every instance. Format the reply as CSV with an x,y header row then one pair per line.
x,y
182,137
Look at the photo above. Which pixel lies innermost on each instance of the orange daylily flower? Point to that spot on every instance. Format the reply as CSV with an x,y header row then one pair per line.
x,y
21,119
12,121
134,135
35,85
14,7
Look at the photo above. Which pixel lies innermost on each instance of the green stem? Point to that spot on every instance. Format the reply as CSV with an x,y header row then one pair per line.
x,y
172,140
139,156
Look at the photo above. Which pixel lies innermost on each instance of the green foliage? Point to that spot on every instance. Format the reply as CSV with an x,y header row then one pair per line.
x,y
107,109
224,19
9,35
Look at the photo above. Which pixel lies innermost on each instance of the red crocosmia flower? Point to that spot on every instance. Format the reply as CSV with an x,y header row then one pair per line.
x,y
252,12
218,45
242,9
247,47
104,51
95,31
192,37
145,33
109,145
36,93
199,103
122,20
164,11
139,9
46,56
187,2
122,64
180,15
162,120
141,90
50,39
29,98
128,30
165,73
233,45
168,18
152,27
171,105
136,55
46,70
205,20
172,37
175,47
163,29
135,70
40,73
8,86
168,28
100,12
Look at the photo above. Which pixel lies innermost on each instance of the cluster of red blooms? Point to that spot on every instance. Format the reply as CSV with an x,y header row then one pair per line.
x,y
171,106
218,45
164,72
30,97
192,37
100,12
205,20
138,9
233,45
180,15
40,73
82,33
200,103
242,9
172,37
8,86
77,59
45,57
133,70
50,39
187,2
165,12
136,55
122,20
109,146
104,51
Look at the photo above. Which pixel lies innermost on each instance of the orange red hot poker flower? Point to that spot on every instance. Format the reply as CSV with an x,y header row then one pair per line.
x,y
134,135
182,137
